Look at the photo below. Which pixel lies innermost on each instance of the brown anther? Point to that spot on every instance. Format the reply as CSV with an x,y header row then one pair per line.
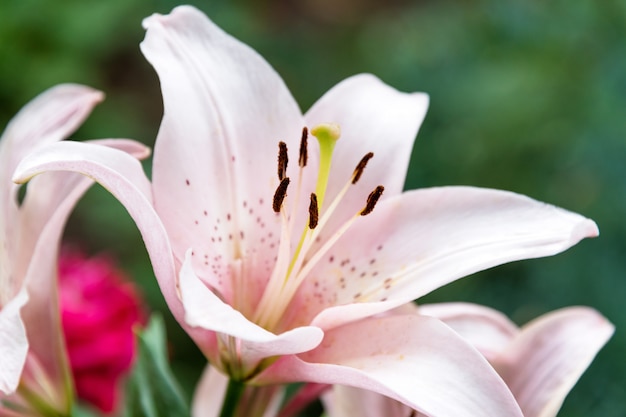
x,y
280,194
283,159
372,199
304,153
313,212
358,171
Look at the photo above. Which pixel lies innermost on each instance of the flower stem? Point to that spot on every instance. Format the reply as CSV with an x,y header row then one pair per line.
x,y
231,399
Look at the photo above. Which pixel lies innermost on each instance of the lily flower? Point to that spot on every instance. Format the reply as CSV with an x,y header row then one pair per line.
x,y
34,374
278,268
540,362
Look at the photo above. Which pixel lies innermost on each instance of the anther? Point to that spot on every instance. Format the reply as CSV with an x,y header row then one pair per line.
x,y
358,171
283,159
280,194
372,199
313,212
304,154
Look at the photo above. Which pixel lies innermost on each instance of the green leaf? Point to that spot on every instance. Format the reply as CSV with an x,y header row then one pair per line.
x,y
152,390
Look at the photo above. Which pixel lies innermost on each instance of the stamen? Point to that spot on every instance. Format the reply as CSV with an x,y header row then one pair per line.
x,y
358,171
313,212
304,153
372,199
283,159
280,194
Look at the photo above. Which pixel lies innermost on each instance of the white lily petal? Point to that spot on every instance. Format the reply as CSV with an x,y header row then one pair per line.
x,y
48,118
204,309
123,176
414,359
551,353
209,393
46,194
30,234
13,343
214,192
424,239
488,330
345,401
373,117
48,202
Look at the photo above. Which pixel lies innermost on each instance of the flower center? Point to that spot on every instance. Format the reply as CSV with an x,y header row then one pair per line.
x,y
295,261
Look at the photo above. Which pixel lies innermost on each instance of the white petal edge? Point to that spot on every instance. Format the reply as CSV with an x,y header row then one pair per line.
x,y
13,343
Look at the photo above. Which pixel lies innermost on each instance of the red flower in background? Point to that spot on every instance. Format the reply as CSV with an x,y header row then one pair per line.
x,y
100,307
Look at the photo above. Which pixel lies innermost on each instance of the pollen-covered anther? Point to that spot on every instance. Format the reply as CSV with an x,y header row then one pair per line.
x,y
372,199
358,171
313,212
280,194
304,153
283,159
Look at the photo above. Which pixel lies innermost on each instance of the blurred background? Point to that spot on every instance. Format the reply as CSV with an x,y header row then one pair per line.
x,y
528,96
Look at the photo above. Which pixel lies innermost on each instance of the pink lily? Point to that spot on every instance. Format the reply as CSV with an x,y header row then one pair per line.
x,y
32,354
540,362
275,287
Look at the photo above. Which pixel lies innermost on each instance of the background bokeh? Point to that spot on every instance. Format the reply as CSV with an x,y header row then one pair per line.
x,y
528,96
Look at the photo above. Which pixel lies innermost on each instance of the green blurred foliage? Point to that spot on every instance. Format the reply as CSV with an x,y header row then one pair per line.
x,y
528,96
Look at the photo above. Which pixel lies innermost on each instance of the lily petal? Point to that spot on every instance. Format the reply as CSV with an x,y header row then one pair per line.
x,y
225,172
13,343
209,394
373,117
48,202
414,359
345,401
545,361
424,239
488,330
50,117
123,176
204,309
